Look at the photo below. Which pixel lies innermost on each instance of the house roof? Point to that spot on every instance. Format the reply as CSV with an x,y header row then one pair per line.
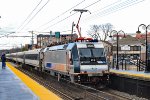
x,y
129,40
107,42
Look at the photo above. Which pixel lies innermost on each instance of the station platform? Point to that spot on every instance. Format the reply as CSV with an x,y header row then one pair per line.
x,y
131,74
14,85
132,82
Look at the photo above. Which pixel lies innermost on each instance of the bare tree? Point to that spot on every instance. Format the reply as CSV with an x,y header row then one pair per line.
x,y
100,32
94,31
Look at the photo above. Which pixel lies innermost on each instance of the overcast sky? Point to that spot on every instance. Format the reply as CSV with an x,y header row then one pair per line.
x,y
57,15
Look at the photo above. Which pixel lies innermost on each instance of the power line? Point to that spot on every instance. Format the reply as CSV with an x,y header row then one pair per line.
x,y
17,36
106,6
3,44
118,7
60,21
25,19
115,8
123,5
92,4
35,15
49,32
61,14
71,15
29,14
8,36
9,33
111,9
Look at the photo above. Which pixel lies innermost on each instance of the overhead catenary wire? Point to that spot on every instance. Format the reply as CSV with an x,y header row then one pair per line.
x,y
49,32
105,7
120,6
29,15
111,10
18,36
10,45
61,14
9,33
60,21
70,15
123,4
92,4
117,6
24,25
35,15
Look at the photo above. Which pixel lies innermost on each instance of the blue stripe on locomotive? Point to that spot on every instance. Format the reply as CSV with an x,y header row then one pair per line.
x,y
48,65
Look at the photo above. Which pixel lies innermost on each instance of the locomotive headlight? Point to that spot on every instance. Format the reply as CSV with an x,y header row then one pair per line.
x,y
93,60
82,72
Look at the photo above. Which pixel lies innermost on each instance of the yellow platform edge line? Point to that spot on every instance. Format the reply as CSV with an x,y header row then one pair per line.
x,y
140,75
39,90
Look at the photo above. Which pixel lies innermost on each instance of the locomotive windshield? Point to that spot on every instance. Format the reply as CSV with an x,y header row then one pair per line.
x,y
92,56
98,52
85,52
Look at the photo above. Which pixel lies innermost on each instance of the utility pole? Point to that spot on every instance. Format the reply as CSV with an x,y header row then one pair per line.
x,y
21,47
50,38
32,41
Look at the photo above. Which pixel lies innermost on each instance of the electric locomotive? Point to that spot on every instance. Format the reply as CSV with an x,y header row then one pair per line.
x,y
79,61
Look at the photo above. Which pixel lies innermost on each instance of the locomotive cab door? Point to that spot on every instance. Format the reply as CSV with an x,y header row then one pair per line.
x,y
75,60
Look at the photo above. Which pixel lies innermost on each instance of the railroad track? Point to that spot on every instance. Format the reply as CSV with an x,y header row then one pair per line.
x,y
102,95
108,96
45,84
68,90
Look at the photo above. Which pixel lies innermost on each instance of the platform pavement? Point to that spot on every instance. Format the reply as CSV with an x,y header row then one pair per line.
x,y
15,85
12,88
131,73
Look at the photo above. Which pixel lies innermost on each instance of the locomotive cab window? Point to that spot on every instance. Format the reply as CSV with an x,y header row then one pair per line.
x,y
98,52
92,56
85,52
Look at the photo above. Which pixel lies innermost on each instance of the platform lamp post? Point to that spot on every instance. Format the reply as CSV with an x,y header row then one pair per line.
x,y
146,28
117,52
